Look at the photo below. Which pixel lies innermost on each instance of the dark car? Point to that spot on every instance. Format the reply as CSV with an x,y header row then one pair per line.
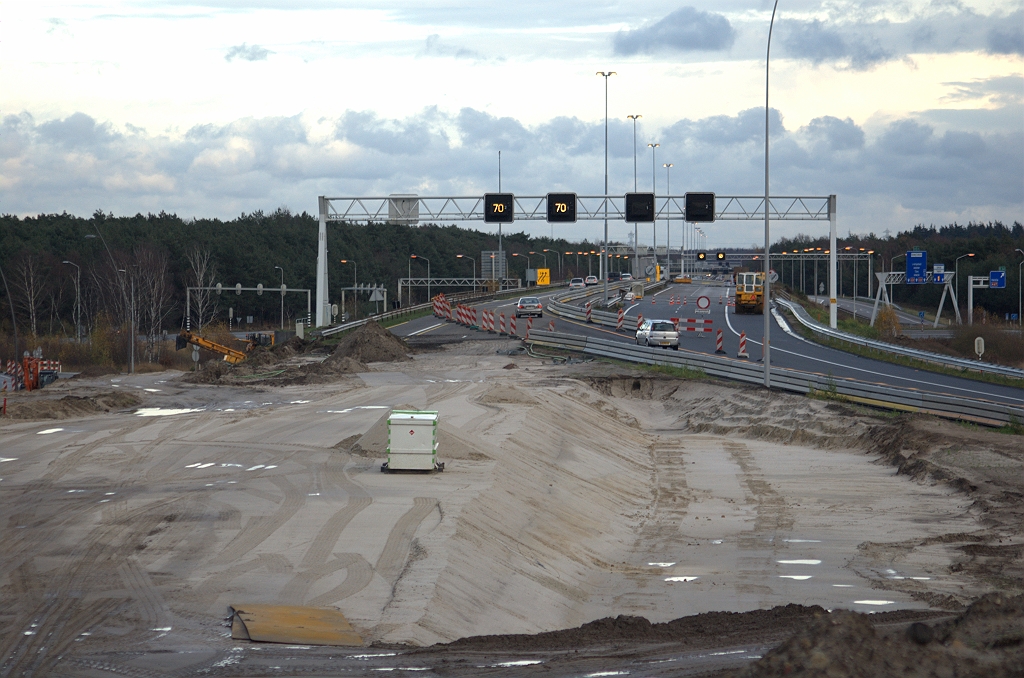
x,y
614,276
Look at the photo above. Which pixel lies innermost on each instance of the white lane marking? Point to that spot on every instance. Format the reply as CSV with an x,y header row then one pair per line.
x,y
47,431
425,330
874,602
985,395
799,562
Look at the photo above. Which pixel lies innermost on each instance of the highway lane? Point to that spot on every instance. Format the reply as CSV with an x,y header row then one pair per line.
x,y
787,350
794,352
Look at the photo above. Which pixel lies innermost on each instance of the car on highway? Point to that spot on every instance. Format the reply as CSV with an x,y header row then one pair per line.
x,y
654,332
627,276
529,306
591,280
577,284
614,276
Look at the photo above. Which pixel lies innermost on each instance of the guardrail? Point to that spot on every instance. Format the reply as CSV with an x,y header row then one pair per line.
x,y
560,307
879,395
948,361
398,313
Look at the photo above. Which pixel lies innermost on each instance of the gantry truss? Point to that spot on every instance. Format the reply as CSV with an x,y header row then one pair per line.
x,y
417,209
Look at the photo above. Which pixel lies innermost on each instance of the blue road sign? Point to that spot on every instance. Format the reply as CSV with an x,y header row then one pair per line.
x,y
938,278
917,268
996,280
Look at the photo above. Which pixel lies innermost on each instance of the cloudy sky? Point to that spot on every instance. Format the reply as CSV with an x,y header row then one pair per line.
x,y
911,112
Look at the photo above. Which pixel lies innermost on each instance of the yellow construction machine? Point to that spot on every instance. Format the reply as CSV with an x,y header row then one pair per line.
x,y
749,292
231,355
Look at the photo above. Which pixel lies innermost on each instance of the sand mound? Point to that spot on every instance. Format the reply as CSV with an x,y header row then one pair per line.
x,y
504,394
69,406
451,442
986,640
371,343
293,346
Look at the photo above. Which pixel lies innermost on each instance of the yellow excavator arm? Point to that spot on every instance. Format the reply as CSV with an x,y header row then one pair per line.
x,y
230,355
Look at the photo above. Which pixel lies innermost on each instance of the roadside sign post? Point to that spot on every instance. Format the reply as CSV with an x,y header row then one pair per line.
x,y
703,305
979,346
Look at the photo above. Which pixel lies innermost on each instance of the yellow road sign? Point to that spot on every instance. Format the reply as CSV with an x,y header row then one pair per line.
x,y
543,276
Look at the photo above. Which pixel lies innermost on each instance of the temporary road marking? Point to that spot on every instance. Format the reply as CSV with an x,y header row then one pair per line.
x,y
425,330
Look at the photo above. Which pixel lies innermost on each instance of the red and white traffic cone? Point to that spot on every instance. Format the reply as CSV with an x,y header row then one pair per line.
x,y
502,324
512,322
529,325
639,321
621,319
743,346
551,326
720,342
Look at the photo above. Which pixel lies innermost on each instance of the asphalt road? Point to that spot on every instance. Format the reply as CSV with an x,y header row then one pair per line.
x,y
788,351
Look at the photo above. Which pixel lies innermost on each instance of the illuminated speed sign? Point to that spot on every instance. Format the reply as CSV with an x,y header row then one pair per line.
x,y
499,208
562,207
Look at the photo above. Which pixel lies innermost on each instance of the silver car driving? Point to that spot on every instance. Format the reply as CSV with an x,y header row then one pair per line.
x,y
529,306
658,333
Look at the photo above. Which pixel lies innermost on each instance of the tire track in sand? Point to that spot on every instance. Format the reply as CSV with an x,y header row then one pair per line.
x,y
396,550
260,528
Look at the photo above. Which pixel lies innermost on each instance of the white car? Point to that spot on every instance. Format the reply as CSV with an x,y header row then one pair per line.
x,y
658,333
591,280
577,284
626,276
530,306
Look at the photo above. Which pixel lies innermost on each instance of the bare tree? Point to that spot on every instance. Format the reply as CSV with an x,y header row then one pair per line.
x,y
30,282
202,274
154,296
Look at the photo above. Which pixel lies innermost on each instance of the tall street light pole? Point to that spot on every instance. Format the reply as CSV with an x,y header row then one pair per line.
x,y
131,325
654,189
604,255
78,302
956,278
355,283
636,246
668,223
767,255
413,256
1020,316
282,295
472,259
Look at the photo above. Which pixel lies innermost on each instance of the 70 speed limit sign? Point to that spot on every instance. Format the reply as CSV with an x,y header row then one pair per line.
x,y
703,305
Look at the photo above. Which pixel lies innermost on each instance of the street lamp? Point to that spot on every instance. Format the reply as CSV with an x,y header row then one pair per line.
x,y
559,260
605,75
78,303
956,277
668,223
767,255
654,189
633,118
131,325
355,294
282,295
413,256
472,259
1020,316
528,264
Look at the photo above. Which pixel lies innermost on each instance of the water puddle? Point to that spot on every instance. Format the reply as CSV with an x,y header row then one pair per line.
x,y
722,654
843,586
298,402
797,577
661,564
521,662
162,412
799,562
3,459
606,673
682,579
48,431
152,390
803,541
371,656
874,602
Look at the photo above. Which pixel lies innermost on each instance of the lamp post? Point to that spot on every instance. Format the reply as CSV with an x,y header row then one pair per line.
x,y
633,118
131,325
956,277
282,295
605,75
654,189
559,261
355,295
78,303
668,223
767,254
472,259
528,264
543,255
413,256
1020,316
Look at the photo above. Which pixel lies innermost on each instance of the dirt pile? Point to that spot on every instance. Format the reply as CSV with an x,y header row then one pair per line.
x,y
371,343
986,640
294,346
30,407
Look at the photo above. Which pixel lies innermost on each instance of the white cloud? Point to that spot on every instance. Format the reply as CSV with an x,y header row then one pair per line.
x,y
247,53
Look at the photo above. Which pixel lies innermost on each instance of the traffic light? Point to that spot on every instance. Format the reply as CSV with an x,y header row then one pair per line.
x,y
721,256
701,256
640,207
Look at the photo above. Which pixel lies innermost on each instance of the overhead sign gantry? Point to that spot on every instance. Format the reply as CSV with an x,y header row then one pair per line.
x,y
504,208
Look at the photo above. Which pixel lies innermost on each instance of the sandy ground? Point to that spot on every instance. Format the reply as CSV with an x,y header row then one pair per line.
x,y
571,494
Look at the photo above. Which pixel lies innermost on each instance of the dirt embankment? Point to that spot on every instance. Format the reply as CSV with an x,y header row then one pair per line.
x,y
298,362
37,405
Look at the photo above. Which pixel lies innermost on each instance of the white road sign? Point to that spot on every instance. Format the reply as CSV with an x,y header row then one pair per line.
x,y
703,305
773,276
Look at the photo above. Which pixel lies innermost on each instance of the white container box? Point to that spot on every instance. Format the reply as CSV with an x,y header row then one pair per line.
x,y
412,441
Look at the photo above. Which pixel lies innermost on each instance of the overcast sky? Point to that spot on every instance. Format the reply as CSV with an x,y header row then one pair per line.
x,y
911,112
